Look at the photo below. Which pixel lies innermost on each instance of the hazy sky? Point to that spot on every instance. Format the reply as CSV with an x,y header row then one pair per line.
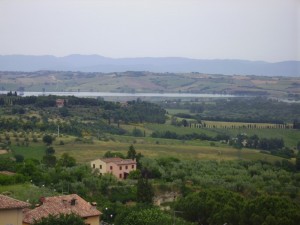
x,y
205,29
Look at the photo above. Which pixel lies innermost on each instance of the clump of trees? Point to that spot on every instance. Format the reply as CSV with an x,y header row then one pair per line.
x,y
217,206
146,215
98,115
192,136
274,146
61,219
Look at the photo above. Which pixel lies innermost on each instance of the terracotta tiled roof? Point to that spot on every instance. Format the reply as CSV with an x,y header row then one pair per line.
x,y
108,160
126,162
61,204
10,203
118,161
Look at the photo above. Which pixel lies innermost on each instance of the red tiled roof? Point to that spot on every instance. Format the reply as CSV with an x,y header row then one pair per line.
x,y
10,203
118,161
126,162
61,204
108,160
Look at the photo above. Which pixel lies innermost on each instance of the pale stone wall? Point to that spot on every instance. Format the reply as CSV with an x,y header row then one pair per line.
x,y
11,217
94,220
100,165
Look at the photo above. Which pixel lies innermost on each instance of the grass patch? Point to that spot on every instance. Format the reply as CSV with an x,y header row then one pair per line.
x,y
176,111
35,151
26,192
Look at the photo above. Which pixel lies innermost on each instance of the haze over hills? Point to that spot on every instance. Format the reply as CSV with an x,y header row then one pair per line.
x,y
96,63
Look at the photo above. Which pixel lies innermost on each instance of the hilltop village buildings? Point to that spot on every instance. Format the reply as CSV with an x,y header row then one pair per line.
x,y
15,212
118,167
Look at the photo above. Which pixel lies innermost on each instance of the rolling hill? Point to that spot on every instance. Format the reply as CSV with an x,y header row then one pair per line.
x,y
96,63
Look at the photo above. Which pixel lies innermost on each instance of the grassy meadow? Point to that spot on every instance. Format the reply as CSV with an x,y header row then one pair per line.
x,y
87,149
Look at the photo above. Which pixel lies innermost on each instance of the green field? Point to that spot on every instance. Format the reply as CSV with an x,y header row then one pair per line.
x,y
84,152
88,152
88,148
290,136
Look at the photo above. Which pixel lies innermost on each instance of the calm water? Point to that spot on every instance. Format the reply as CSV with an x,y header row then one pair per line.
x,y
113,94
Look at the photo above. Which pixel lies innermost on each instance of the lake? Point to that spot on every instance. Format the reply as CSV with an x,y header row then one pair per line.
x,y
134,95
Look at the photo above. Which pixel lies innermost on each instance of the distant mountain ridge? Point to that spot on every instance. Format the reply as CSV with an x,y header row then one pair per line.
x,y
97,63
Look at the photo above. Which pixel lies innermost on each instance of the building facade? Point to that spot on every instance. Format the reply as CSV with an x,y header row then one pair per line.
x,y
118,167
11,210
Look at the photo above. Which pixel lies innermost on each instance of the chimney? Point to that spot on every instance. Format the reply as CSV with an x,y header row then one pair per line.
x,y
42,200
73,201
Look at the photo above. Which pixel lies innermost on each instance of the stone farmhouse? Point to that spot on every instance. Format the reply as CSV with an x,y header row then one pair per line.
x,y
119,167
11,210
64,204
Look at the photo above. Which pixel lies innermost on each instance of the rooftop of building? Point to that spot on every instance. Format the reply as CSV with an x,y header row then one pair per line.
x,y
118,161
65,204
11,203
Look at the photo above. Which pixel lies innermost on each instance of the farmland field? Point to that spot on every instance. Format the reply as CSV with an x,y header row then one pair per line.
x,y
150,82
151,147
290,136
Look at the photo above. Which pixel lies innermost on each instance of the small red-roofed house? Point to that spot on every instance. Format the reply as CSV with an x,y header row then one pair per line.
x,y
65,204
11,210
119,167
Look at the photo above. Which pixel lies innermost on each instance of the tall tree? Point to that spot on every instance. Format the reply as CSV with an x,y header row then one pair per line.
x,y
145,191
49,160
131,154
67,161
47,139
50,151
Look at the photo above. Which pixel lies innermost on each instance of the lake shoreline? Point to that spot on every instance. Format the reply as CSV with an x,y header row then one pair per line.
x,y
119,94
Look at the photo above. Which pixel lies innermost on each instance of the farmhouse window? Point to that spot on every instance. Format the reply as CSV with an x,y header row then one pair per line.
x,y
126,167
132,166
120,167
110,167
120,175
100,166
93,165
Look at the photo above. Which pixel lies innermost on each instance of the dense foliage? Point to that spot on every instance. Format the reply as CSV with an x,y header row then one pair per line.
x,y
251,110
244,188
213,206
141,215
61,219
77,116
249,178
